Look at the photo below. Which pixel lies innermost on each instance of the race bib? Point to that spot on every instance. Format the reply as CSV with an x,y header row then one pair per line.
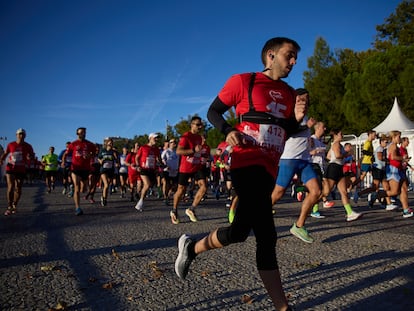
x,y
150,162
16,158
107,165
271,136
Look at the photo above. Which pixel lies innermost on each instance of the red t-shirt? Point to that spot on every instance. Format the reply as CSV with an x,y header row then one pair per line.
x,y
264,143
205,155
191,163
395,163
147,157
82,152
18,157
403,152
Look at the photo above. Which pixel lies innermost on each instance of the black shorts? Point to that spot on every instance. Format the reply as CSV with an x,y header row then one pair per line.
x,y
20,176
50,174
83,174
184,177
110,173
334,171
124,175
318,171
150,174
227,175
66,172
378,174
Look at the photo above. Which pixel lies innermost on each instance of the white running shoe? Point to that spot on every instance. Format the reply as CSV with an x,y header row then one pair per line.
x,y
139,205
353,216
391,207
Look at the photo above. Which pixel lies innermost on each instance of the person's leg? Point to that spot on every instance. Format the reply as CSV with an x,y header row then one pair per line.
x,y
314,193
182,183
404,194
273,284
207,243
341,186
287,170
202,188
105,182
19,180
76,191
131,183
48,182
277,193
178,195
233,207
165,186
327,186
146,185
146,181
11,184
265,232
350,214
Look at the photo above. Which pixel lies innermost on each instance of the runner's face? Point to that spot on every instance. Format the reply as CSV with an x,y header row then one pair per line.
x,y
285,59
196,126
81,133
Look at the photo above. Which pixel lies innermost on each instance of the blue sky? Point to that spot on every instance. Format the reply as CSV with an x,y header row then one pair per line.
x,y
123,68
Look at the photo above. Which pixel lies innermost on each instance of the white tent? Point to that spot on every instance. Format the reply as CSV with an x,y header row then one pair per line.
x,y
396,120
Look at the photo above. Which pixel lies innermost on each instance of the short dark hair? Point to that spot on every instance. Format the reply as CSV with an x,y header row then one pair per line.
x,y
301,91
275,44
195,118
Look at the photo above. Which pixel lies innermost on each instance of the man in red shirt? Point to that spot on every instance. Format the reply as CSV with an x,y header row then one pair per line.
x,y
82,151
134,178
267,113
190,149
18,153
148,159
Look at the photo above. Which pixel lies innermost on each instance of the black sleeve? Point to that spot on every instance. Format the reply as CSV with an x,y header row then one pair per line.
x,y
292,126
367,153
215,116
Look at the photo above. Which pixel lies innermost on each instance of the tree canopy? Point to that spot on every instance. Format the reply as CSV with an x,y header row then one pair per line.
x,y
354,91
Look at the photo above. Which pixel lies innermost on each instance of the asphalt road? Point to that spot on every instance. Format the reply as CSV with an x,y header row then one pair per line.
x,y
115,258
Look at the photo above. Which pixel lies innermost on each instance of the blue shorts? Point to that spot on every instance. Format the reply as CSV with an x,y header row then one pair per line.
x,y
366,167
395,173
289,167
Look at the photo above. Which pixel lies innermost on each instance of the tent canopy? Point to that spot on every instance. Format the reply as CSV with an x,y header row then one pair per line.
x,y
396,120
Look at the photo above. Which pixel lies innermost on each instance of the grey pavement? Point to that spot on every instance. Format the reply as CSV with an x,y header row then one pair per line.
x,y
116,258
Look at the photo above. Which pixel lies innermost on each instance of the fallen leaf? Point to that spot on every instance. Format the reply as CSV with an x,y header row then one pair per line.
x,y
247,299
108,285
61,305
157,272
205,273
47,268
115,254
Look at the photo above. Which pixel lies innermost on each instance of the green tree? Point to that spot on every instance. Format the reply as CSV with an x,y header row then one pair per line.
x,y
398,28
325,83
